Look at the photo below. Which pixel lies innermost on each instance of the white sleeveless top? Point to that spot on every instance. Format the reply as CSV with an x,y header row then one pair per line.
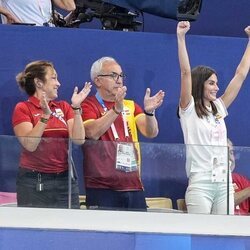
x,y
37,12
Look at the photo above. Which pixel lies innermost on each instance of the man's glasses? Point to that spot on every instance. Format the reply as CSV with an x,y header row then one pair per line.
x,y
114,76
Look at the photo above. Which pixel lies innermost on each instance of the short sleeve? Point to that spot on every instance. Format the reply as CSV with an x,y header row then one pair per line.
x,y
90,111
188,109
221,107
138,109
67,110
21,114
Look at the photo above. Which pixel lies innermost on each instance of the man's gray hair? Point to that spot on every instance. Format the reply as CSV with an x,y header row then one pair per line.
x,y
96,67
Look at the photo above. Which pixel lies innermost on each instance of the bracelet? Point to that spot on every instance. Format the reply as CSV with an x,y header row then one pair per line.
x,y
149,114
75,108
117,112
44,120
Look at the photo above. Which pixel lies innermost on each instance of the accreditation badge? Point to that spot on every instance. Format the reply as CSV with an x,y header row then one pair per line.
x,y
125,157
59,112
219,170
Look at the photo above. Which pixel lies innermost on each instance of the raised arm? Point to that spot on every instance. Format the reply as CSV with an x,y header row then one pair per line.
x,y
76,128
30,136
186,81
68,5
148,124
242,70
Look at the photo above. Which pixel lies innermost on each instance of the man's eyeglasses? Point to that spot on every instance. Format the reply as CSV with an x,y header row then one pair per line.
x,y
115,76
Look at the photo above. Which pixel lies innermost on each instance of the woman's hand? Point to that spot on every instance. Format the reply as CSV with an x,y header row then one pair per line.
x,y
11,18
44,105
247,30
119,97
78,98
182,28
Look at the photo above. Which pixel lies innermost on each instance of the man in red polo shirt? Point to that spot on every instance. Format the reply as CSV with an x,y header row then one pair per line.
x,y
242,194
111,156
241,186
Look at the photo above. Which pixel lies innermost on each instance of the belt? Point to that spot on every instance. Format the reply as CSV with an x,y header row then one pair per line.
x,y
34,173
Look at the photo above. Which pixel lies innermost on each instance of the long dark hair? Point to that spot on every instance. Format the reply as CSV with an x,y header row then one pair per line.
x,y
200,74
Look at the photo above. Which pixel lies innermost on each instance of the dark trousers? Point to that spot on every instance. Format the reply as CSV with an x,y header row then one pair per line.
x,y
115,200
53,191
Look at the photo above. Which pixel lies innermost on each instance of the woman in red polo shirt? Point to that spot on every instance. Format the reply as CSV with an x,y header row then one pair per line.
x,y
43,127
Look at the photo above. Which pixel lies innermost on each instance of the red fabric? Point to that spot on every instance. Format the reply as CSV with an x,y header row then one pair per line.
x,y
100,156
6,198
241,183
51,154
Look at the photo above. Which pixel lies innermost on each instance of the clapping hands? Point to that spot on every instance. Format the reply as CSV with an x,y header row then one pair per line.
x,y
44,104
78,98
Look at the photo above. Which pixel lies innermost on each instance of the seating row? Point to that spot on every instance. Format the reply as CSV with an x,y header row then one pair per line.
x,y
153,203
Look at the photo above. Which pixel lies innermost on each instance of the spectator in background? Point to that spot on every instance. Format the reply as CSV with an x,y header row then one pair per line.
x,y
241,186
111,155
36,12
43,126
202,116
242,194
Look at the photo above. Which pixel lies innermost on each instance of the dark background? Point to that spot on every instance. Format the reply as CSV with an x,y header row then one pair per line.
x,y
217,18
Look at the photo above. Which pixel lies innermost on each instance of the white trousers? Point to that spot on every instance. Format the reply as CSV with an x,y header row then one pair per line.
x,y
206,197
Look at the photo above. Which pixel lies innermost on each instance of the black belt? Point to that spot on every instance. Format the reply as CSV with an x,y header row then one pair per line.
x,y
34,173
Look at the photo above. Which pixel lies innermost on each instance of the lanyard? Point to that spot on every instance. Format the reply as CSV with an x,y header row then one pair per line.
x,y
59,118
114,131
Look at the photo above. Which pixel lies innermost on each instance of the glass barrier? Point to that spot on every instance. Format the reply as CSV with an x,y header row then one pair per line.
x,y
35,173
62,174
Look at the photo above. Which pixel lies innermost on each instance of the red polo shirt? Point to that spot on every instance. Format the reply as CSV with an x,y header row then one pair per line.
x,y
100,156
240,182
51,154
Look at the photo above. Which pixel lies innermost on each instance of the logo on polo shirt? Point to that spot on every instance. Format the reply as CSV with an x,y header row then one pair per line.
x,y
126,111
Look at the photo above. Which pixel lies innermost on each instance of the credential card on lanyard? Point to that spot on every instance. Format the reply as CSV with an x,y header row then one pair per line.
x,y
219,170
125,153
125,157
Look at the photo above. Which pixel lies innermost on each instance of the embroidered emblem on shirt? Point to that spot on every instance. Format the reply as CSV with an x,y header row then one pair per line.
x,y
217,118
59,115
126,111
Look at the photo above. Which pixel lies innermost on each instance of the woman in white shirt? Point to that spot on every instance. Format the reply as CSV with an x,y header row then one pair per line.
x,y
37,12
205,135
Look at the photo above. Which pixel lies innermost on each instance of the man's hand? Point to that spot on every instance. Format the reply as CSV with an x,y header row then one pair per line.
x,y
119,97
152,103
